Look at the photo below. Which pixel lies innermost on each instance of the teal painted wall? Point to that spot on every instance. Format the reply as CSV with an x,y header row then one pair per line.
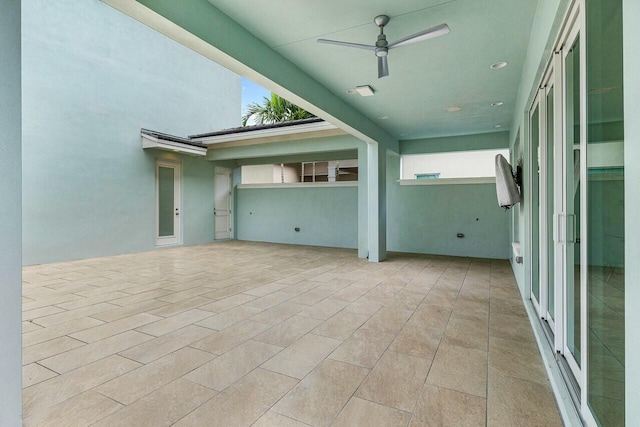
x,y
426,219
631,39
483,141
10,194
325,216
92,77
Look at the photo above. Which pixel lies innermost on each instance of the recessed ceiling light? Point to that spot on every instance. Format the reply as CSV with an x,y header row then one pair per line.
x,y
496,126
498,65
497,104
365,90
453,108
384,117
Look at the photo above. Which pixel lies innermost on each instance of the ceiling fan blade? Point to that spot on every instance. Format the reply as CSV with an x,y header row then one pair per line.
x,y
383,67
431,33
347,44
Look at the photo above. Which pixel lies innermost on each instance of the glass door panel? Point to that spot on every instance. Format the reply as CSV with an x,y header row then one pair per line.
x,y
535,205
165,201
572,341
549,206
605,214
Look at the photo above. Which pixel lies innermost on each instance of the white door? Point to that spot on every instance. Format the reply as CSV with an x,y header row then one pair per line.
x,y
222,204
167,203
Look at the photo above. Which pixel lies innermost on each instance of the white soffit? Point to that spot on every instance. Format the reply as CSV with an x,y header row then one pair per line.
x,y
302,131
149,141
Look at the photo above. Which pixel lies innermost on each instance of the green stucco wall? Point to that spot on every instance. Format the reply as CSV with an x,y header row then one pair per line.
x,y
325,216
427,218
10,194
92,77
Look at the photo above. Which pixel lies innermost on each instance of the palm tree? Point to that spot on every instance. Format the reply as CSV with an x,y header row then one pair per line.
x,y
274,110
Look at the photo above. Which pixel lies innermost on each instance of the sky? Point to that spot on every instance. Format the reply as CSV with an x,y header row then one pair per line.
x,y
251,93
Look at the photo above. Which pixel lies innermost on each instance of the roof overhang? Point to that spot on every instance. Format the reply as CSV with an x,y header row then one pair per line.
x,y
149,141
264,136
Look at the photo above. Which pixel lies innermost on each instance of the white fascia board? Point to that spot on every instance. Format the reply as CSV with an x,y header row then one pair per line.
x,y
266,133
300,185
149,141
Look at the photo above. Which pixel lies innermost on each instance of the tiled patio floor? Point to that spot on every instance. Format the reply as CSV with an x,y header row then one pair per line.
x,y
239,334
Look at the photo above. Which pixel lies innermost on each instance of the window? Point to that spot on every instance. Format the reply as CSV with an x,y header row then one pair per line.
x,y
285,173
427,175
459,164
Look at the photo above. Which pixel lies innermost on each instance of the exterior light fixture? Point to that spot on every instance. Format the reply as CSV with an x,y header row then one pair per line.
x,y
365,90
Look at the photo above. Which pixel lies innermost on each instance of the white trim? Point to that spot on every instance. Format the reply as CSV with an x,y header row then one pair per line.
x,y
448,181
300,185
266,133
149,141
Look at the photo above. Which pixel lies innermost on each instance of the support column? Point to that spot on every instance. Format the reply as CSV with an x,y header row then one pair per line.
x,y
11,214
377,202
363,215
631,55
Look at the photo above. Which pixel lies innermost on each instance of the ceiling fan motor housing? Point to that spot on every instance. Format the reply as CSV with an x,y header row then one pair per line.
x,y
381,46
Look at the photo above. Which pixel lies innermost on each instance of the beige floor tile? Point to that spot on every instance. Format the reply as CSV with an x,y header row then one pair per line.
x,y
50,348
270,300
170,324
363,348
84,302
59,330
395,381
228,303
148,378
163,407
302,356
312,297
273,419
168,343
34,374
280,312
141,297
508,327
118,312
169,310
320,396
517,359
289,331
116,327
41,312
29,327
363,306
81,410
268,296
221,342
341,325
324,309
267,289
243,403
461,369
48,393
90,353
70,315
531,404
230,317
467,333
441,407
389,320
359,412
225,370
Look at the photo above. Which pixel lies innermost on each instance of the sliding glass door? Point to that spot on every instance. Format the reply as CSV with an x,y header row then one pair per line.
x,y
576,208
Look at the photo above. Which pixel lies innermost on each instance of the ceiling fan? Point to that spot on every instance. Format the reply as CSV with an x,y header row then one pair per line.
x,y
382,47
